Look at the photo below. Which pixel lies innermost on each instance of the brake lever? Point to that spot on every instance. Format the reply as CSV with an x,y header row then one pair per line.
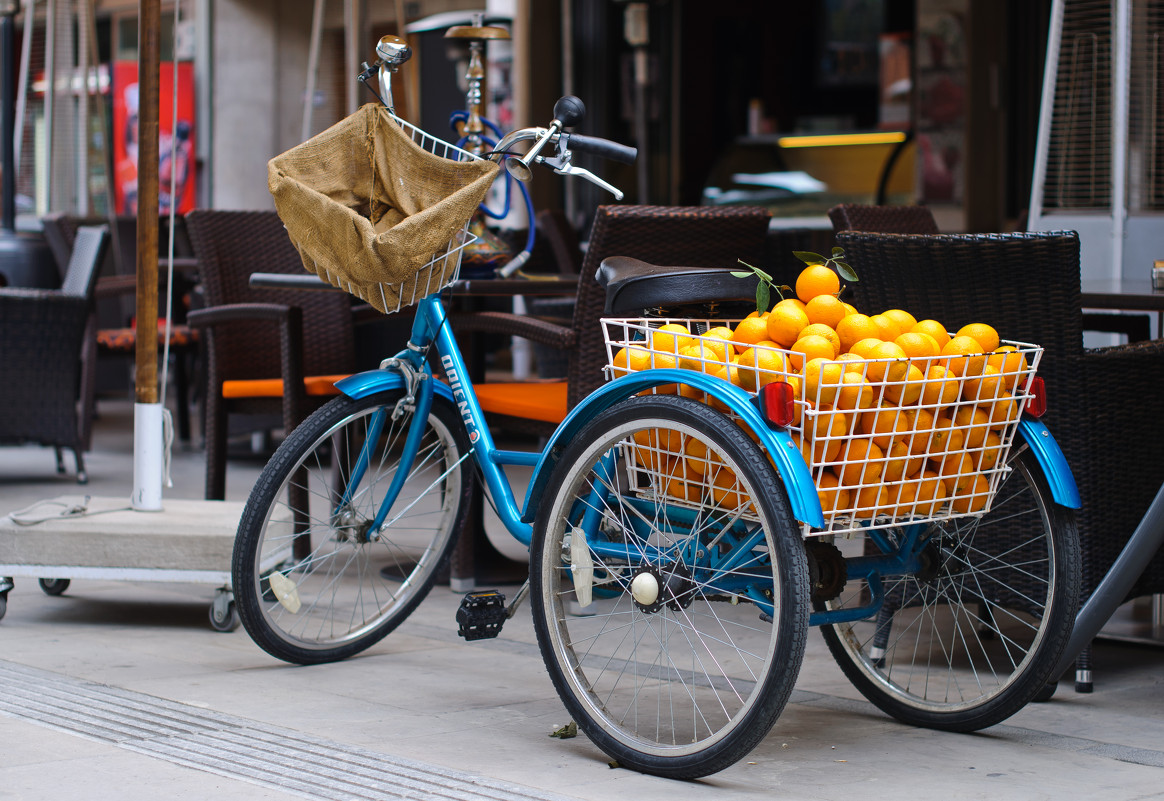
x,y
562,166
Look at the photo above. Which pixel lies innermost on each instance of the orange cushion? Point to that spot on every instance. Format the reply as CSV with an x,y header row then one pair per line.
x,y
273,387
544,401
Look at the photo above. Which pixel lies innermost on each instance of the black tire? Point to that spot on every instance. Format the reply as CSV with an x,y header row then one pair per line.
x,y
54,586
976,635
351,589
700,660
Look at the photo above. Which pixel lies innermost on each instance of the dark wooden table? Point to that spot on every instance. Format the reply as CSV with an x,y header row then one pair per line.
x,y
1127,294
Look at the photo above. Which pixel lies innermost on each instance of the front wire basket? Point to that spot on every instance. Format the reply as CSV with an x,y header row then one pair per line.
x,y
380,208
890,444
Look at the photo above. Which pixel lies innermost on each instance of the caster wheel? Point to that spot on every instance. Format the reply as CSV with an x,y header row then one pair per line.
x,y
223,614
54,586
3,604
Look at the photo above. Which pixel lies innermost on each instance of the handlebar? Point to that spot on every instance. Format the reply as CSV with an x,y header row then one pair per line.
x,y
603,148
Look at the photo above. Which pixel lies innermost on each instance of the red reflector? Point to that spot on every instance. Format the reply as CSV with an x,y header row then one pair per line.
x,y
778,403
1037,404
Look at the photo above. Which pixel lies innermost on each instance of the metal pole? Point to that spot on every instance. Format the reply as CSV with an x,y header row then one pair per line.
x,y
8,120
148,37
312,68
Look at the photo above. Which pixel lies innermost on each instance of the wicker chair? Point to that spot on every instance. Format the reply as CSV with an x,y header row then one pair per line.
x,y
884,219
46,395
701,236
116,336
269,352
1105,405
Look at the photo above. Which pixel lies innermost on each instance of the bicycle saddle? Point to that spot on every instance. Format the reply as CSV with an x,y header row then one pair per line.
x,y
632,285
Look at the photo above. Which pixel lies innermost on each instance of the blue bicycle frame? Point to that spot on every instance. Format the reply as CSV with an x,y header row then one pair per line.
x,y
410,370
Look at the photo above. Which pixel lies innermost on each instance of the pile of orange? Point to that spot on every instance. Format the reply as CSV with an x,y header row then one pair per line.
x,y
895,416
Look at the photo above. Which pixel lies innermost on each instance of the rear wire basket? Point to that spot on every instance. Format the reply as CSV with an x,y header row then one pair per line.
x,y
870,454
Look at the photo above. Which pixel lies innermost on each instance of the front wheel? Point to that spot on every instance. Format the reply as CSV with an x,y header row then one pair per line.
x,y
975,634
314,579
667,525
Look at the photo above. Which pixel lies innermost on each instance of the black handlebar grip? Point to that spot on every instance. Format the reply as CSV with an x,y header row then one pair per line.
x,y
569,110
603,148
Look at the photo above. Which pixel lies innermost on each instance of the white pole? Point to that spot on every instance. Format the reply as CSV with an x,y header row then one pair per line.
x,y
1122,53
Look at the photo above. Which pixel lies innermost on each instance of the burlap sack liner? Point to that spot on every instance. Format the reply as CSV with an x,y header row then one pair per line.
x,y
365,203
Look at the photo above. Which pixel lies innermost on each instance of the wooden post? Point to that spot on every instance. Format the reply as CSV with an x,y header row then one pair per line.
x,y
148,78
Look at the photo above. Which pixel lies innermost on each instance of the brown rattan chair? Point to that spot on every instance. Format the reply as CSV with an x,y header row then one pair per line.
x,y
1105,405
883,219
701,236
46,391
269,351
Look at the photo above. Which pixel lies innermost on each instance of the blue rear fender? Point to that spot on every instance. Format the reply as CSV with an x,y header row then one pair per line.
x,y
1051,459
776,441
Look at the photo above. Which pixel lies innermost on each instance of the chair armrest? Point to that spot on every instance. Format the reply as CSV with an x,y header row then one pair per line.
x,y
530,328
290,322
115,285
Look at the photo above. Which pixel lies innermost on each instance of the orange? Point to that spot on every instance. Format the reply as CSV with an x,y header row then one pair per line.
x,y
983,388
973,497
931,493
696,458
853,364
822,330
657,448
854,392
899,464
903,496
888,330
907,391
986,336
833,497
863,462
864,347
810,347
905,321
855,327
987,458
934,329
632,359
918,345
679,485
850,308
889,363
921,426
714,345
727,490
826,433
1010,363
760,366
946,437
963,356
748,332
785,303
670,338
884,425
941,387
872,500
798,405
785,324
826,310
816,279
1003,411
822,380
957,471
974,423
761,315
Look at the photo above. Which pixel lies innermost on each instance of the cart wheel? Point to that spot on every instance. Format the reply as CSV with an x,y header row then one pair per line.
x,y
223,614
54,586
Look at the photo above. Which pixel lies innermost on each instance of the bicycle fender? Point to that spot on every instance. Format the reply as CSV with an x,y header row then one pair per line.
x,y
777,442
1051,459
369,382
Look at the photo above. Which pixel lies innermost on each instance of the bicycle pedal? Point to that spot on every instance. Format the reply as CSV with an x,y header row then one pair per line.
x,y
481,615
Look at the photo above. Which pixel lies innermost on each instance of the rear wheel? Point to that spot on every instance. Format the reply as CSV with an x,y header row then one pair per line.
x,y
692,582
975,634
313,580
